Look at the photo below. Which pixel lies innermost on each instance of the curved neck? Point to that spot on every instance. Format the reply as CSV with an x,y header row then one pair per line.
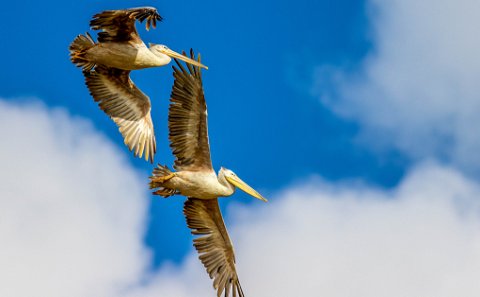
x,y
160,59
228,187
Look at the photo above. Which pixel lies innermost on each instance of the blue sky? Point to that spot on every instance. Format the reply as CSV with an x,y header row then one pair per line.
x,y
263,123
356,99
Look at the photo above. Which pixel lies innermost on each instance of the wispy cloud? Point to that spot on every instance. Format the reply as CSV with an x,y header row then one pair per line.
x,y
417,90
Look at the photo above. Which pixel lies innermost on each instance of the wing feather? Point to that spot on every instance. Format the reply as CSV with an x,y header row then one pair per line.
x,y
119,25
187,120
214,246
126,105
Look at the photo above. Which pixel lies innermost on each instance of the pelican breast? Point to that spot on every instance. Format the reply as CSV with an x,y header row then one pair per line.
x,y
199,184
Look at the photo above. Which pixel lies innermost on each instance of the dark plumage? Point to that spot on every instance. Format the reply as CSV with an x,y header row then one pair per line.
x,y
119,25
126,105
187,120
214,246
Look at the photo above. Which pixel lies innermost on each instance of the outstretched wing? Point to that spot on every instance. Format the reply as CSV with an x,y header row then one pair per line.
x,y
126,105
187,120
119,25
214,246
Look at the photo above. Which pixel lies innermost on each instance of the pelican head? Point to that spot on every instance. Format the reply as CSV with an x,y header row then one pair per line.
x,y
166,54
234,180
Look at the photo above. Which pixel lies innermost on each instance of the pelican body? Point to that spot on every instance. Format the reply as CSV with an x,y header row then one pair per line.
x,y
129,56
107,64
205,184
194,178
118,55
119,45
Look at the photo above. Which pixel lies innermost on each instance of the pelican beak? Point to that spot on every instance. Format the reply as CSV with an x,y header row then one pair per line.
x,y
236,181
176,55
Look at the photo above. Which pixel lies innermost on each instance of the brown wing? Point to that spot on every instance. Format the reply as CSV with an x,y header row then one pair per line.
x,y
187,120
214,247
119,25
126,105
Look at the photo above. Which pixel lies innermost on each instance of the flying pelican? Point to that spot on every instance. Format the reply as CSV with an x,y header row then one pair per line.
x,y
107,64
119,45
195,178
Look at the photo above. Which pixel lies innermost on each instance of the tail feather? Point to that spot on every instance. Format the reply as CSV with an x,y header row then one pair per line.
x,y
77,51
157,182
161,171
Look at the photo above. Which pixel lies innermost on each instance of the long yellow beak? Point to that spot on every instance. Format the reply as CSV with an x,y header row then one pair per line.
x,y
176,55
236,181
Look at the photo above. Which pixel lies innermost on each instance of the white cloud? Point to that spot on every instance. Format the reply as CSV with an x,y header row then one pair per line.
x,y
418,89
72,216
71,210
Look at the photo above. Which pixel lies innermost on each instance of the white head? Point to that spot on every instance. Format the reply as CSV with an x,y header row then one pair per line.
x,y
233,179
166,54
158,50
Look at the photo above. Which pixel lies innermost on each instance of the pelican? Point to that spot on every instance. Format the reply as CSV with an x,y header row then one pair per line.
x,y
106,65
195,178
119,45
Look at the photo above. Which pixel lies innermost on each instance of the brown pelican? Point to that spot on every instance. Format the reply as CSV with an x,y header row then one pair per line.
x,y
107,65
195,178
